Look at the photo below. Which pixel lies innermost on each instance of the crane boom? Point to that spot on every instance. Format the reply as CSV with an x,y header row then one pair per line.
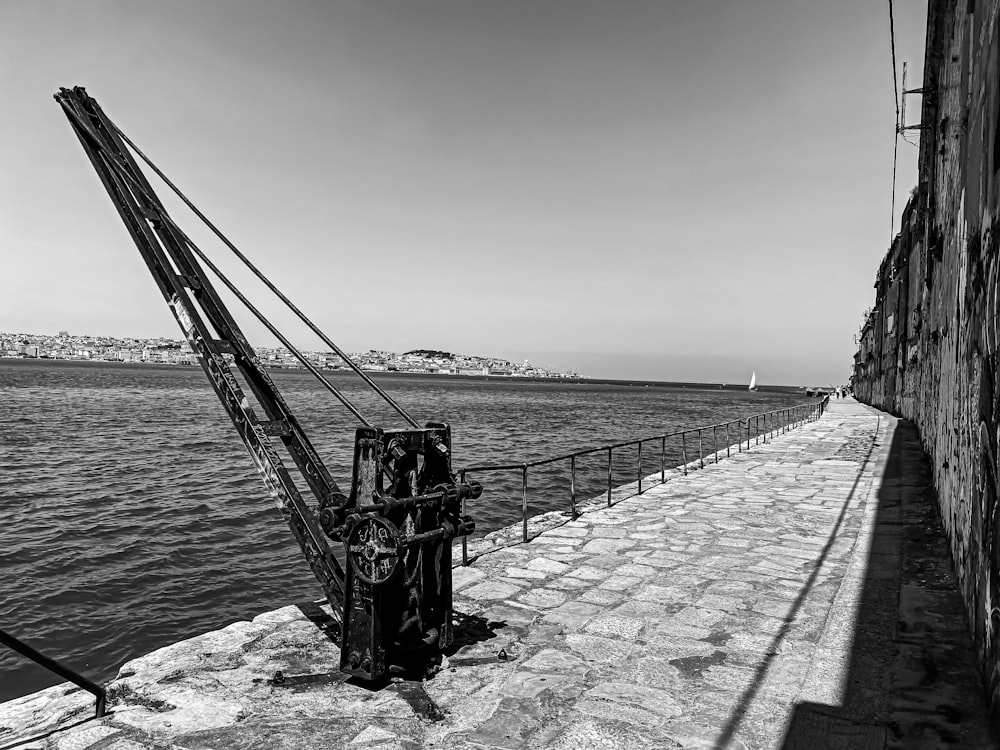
x,y
393,596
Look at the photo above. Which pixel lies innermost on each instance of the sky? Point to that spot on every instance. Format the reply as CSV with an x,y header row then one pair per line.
x,y
679,191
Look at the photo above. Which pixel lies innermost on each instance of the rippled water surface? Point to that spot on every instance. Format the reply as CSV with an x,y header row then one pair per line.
x,y
132,516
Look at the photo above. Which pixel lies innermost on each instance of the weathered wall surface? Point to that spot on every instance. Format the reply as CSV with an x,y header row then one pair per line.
x,y
928,350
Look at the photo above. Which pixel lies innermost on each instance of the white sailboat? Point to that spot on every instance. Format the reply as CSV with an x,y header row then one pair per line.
x,y
753,381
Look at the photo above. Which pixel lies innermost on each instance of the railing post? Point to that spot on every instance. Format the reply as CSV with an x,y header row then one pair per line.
x,y
609,475
684,453
663,454
465,543
701,455
98,691
728,441
756,429
640,467
715,442
524,502
748,433
572,484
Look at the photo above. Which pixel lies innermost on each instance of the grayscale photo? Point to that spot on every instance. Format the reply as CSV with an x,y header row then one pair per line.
x,y
500,375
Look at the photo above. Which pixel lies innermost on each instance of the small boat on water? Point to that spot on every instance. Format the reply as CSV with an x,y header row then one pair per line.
x,y
753,381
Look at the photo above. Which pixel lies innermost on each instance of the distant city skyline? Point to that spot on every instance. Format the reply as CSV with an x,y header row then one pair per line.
x,y
645,189
166,350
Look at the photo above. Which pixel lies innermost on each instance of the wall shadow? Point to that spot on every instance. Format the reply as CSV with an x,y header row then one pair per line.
x,y
912,680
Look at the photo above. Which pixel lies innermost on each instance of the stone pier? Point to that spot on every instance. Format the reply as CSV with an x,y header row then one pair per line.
x,y
796,595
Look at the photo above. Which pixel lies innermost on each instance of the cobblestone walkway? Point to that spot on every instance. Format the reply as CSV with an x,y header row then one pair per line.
x,y
691,613
751,604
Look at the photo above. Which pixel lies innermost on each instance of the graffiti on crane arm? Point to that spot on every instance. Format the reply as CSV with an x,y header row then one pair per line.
x,y
183,319
261,450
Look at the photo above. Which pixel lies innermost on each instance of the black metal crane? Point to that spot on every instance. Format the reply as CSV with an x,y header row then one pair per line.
x,y
393,594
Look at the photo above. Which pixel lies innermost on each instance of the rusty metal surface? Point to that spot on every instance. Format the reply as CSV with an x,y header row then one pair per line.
x,y
397,527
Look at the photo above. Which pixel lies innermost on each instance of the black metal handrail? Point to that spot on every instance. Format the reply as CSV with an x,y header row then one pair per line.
x,y
65,672
781,420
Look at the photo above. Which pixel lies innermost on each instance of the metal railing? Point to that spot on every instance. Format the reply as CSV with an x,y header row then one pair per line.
x,y
65,672
750,431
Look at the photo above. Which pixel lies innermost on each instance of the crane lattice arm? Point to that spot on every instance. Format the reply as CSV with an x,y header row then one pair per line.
x,y
394,597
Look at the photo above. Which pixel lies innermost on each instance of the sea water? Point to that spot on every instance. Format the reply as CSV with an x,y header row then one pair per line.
x,y
131,516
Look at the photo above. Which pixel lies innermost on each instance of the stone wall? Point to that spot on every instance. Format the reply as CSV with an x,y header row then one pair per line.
x,y
928,349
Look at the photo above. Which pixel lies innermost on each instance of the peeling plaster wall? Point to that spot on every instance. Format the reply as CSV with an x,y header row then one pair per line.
x,y
928,350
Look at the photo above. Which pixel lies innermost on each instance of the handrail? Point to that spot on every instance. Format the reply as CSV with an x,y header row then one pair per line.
x,y
790,417
65,672
636,441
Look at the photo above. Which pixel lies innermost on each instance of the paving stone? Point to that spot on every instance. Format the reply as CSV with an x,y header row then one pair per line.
x,y
491,590
372,733
564,553
597,649
463,576
601,596
524,573
598,546
510,614
531,684
660,593
569,584
636,571
543,598
659,702
547,565
619,583
610,734
573,614
573,529
645,610
85,737
589,573
615,626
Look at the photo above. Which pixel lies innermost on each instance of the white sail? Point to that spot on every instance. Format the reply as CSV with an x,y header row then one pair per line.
x,y
753,381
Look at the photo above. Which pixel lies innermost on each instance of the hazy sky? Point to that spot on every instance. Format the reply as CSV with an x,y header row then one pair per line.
x,y
661,190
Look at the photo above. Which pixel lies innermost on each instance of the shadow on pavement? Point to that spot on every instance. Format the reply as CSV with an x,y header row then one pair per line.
x,y
912,681
736,716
